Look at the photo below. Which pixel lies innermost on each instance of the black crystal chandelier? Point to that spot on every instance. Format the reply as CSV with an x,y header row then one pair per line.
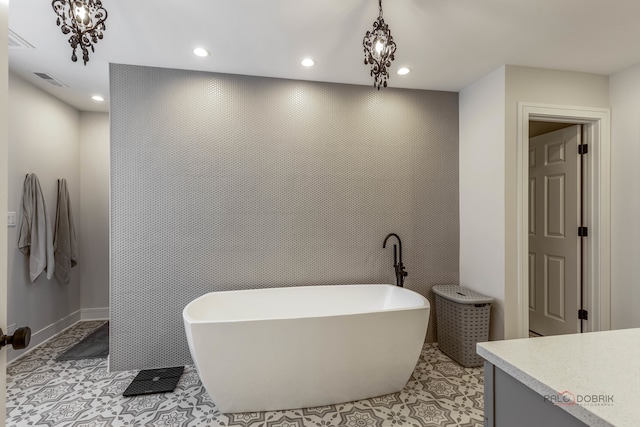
x,y
379,50
84,20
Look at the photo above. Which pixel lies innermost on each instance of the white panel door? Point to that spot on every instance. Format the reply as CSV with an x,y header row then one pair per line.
x,y
554,246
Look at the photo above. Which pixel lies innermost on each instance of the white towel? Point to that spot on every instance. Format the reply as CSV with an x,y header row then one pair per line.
x,y
35,239
64,235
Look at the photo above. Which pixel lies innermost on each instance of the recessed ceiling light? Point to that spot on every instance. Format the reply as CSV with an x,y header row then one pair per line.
x,y
97,98
308,62
200,52
403,71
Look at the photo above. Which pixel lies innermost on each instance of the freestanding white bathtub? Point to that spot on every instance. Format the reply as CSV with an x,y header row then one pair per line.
x,y
298,347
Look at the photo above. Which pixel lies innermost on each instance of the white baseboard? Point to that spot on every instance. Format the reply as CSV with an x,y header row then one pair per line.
x,y
101,313
45,334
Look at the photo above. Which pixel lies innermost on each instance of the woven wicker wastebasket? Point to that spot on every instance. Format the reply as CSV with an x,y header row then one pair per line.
x,y
463,321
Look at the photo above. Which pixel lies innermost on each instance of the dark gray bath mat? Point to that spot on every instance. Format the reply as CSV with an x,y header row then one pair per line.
x,y
150,381
93,346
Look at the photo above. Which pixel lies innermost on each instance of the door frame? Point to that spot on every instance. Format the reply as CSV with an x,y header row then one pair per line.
x,y
597,254
4,192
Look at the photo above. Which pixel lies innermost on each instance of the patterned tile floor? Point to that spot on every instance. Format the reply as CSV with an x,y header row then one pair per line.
x,y
81,393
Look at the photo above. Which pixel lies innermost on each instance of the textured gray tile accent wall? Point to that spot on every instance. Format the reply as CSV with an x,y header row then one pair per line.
x,y
223,182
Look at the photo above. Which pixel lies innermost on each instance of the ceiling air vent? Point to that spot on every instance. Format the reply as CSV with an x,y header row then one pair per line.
x,y
17,42
50,80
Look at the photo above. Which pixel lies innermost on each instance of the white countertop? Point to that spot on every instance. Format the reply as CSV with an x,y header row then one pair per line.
x,y
604,366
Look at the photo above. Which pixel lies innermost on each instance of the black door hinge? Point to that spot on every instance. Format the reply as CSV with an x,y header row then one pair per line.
x,y
583,231
583,314
583,149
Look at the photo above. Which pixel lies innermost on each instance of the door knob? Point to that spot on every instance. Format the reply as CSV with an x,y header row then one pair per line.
x,y
19,340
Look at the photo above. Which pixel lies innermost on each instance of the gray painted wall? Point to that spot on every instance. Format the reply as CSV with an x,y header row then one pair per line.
x,y
43,139
625,198
223,182
93,229
54,140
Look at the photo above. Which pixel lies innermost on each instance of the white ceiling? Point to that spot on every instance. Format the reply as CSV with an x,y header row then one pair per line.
x,y
447,44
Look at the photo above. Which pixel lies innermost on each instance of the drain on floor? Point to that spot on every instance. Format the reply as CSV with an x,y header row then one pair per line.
x,y
151,381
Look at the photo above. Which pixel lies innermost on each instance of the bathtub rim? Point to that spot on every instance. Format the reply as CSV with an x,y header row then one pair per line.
x,y
191,321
